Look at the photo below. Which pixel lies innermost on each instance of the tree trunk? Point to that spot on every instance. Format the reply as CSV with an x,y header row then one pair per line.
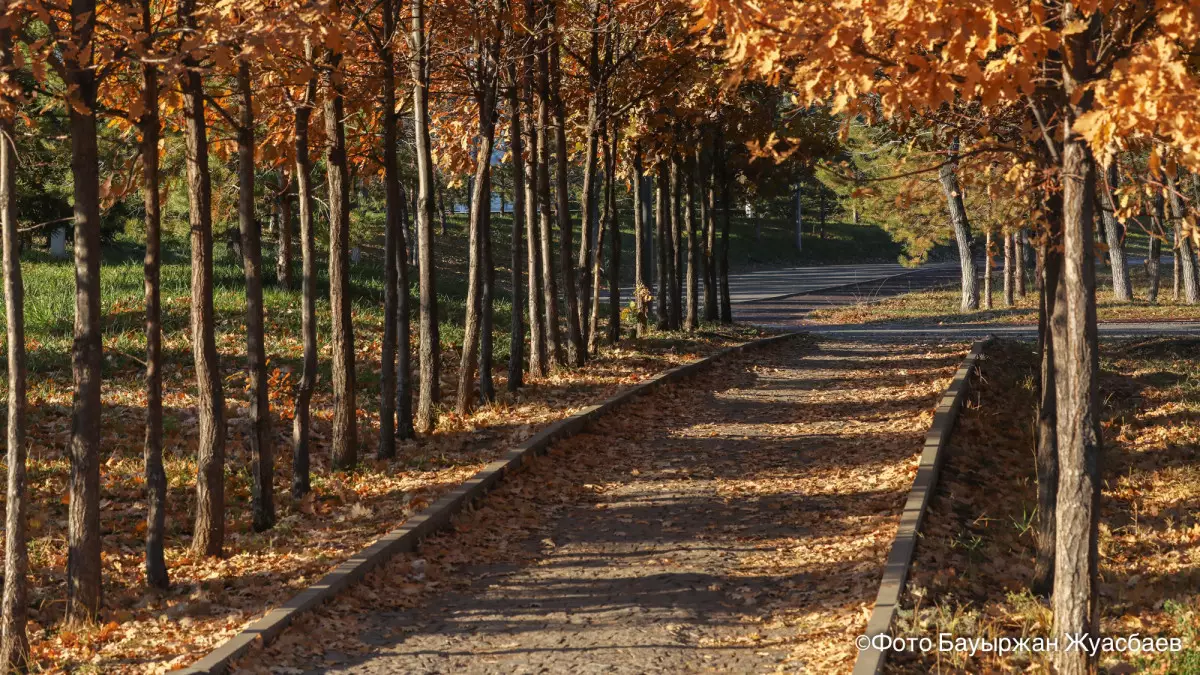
x,y
708,205
989,263
1009,271
691,320
301,421
344,442
662,202
554,347
676,255
1022,246
14,642
1177,261
1114,232
83,530
283,265
156,477
614,234
516,355
1183,247
209,536
441,195
537,300
1154,250
404,406
1052,318
477,233
577,350
1076,366
262,455
639,243
726,207
393,237
962,231
429,351
797,197
589,247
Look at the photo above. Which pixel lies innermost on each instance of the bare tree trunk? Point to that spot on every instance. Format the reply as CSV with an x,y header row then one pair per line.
x,y
1178,265
301,421
726,207
676,255
1114,232
1009,271
156,477
1154,250
1183,247
1076,365
404,406
708,205
639,243
209,535
662,202
589,247
516,354
537,300
429,351
14,642
344,441
283,264
554,341
1052,317
1021,244
480,210
614,233
577,350
262,455
962,230
989,263
393,238
691,322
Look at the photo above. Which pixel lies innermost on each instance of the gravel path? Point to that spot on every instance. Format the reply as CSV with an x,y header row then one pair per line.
x,y
735,523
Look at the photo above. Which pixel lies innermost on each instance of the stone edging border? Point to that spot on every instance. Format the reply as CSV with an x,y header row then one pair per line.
x,y
438,515
895,572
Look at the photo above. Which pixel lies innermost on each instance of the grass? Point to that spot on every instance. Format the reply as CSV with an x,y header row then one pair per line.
x,y
940,306
1149,529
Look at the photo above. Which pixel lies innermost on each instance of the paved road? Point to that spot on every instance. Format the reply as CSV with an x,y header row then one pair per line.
x,y
771,284
738,523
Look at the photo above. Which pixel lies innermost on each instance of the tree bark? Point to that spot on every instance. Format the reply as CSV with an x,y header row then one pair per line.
x,y
1052,317
708,205
1154,249
301,421
209,535
537,300
477,234
283,264
404,406
393,237
726,207
989,263
516,350
691,321
589,247
554,347
14,641
1022,246
344,440
1010,278
429,351
262,455
662,202
614,252
675,258
1076,365
1114,232
640,291
156,477
577,350
962,230
1183,247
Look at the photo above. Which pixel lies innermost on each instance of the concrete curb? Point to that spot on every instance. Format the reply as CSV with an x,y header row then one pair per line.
x,y
895,572
439,515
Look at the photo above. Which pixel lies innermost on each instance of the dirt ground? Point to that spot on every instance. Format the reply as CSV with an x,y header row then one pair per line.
x,y
737,522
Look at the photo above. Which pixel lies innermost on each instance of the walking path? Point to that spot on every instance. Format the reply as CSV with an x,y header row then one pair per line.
x,y
737,523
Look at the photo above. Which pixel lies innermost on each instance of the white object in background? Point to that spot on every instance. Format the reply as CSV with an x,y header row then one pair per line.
x,y
58,243
355,255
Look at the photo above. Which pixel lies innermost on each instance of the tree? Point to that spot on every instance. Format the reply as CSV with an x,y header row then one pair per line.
x,y
1114,234
14,642
577,350
302,419
429,352
83,528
